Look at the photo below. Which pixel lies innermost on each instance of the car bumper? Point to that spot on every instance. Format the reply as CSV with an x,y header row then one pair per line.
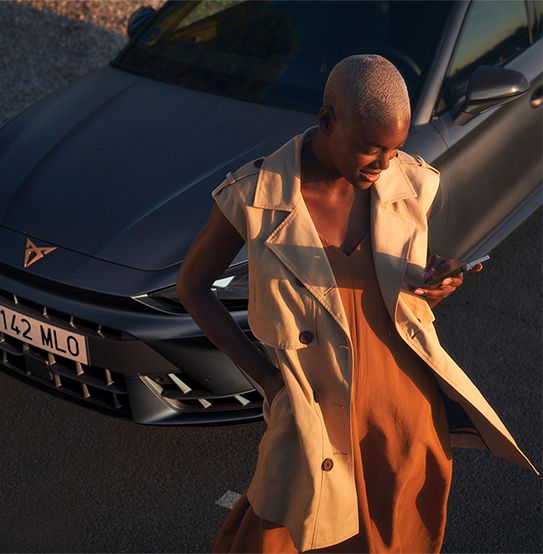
x,y
154,369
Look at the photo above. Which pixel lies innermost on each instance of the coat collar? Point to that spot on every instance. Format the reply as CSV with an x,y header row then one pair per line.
x,y
278,184
296,242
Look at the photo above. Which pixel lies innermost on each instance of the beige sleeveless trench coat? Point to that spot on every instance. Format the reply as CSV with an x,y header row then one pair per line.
x,y
304,476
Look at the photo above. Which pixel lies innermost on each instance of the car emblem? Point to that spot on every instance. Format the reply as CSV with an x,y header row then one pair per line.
x,y
38,251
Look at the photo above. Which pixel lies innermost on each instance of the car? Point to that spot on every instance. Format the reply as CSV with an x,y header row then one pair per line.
x,y
106,182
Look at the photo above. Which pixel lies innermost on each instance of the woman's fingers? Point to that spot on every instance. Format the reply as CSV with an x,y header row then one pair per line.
x,y
434,262
476,268
435,293
446,287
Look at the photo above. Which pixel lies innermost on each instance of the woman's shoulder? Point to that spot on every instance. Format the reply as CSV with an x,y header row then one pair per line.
x,y
424,177
415,162
244,178
235,191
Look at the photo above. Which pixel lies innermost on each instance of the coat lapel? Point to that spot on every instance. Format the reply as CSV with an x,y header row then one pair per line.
x,y
391,233
295,240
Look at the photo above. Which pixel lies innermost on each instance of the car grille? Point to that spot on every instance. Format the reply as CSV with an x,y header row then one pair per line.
x,y
93,386
104,389
190,396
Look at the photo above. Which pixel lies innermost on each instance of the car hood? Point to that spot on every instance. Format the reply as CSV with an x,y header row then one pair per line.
x,y
120,167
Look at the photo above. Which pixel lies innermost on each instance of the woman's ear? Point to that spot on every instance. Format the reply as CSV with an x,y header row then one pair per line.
x,y
326,119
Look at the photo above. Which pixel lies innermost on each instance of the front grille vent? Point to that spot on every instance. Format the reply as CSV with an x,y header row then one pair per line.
x,y
188,396
55,316
94,386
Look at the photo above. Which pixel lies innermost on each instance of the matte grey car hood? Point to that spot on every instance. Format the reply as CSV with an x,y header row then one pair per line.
x,y
120,168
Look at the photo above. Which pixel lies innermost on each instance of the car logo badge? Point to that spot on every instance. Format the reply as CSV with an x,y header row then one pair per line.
x,y
38,251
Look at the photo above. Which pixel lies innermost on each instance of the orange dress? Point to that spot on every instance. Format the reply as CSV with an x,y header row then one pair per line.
x,y
403,462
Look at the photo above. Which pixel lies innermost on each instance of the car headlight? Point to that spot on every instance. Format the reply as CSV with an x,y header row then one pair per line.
x,y
231,288
233,284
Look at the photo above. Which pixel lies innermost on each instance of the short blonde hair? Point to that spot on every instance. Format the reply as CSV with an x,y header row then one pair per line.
x,y
367,88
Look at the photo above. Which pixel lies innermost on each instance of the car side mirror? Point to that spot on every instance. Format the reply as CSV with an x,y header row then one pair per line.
x,y
138,19
489,86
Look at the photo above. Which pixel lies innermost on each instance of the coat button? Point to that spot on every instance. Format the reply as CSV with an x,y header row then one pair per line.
x,y
315,396
327,464
306,337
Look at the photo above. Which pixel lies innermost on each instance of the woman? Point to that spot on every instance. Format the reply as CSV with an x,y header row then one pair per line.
x,y
356,456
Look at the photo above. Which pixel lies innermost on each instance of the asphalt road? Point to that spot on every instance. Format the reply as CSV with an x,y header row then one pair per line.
x,y
77,481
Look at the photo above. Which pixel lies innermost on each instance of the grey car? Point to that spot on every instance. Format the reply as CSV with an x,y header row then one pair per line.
x,y
106,182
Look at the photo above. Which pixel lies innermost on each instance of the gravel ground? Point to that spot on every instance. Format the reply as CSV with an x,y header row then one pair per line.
x,y
45,45
108,14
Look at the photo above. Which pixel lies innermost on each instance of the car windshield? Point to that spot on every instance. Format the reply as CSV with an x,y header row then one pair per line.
x,y
280,53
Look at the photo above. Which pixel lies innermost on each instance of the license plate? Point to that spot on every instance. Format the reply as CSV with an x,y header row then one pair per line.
x,y
43,335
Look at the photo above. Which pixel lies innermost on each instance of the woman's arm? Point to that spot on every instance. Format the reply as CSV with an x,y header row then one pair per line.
x,y
449,285
209,255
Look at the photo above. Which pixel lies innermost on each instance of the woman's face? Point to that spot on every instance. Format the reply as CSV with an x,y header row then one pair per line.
x,y
360,153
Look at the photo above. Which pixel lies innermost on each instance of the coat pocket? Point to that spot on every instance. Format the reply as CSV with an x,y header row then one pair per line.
x,y
282,314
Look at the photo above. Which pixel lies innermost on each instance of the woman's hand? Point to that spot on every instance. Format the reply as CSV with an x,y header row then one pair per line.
x,y
436,293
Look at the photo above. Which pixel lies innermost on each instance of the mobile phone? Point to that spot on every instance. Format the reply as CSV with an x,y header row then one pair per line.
x,y
437,277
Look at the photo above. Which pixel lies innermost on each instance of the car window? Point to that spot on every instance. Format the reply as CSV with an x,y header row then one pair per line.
x,y
494,32
538,19
280,53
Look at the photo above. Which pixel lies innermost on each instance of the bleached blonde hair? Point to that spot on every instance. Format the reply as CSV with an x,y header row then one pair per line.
x,y
367,88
